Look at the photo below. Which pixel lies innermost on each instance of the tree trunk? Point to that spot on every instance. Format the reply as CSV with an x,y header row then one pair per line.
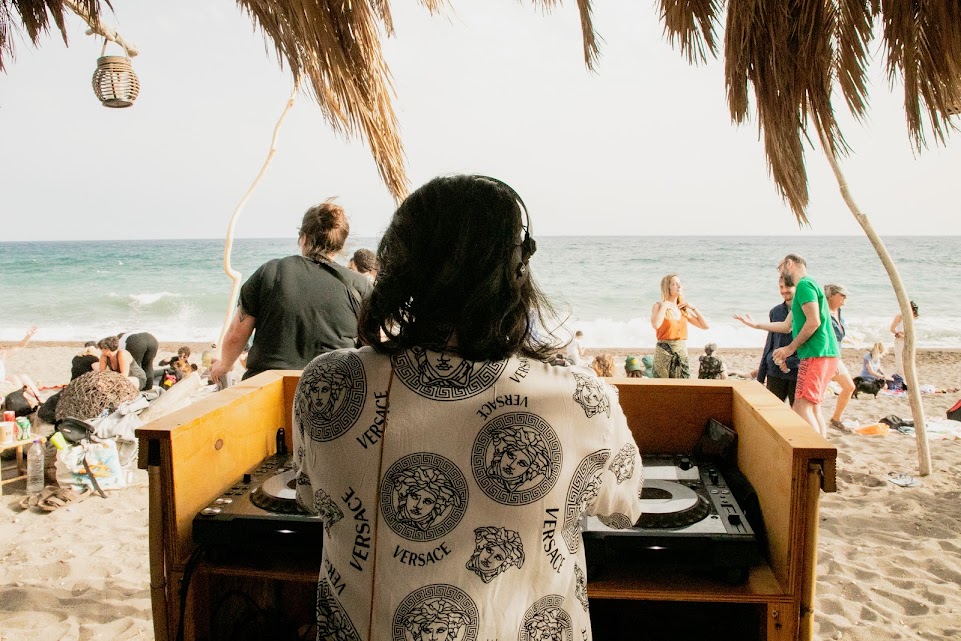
x,y
229,241
910,370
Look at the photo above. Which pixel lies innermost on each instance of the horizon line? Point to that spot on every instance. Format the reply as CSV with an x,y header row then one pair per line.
x,y
292,238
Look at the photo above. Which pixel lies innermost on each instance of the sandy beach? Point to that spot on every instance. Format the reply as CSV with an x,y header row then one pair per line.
x,y
889,561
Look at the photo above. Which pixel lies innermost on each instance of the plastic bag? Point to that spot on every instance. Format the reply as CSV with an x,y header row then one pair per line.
x,y
102,459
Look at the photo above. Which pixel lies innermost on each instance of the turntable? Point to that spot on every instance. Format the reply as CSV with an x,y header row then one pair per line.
x,y
690,518
261,509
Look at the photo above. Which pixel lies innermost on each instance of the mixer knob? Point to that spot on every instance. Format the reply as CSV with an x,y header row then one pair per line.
x,y
685,463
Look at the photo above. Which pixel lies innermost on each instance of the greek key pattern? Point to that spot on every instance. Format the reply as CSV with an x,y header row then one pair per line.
x,y
330,395
437,611
441,376
582,492
546,619
516,458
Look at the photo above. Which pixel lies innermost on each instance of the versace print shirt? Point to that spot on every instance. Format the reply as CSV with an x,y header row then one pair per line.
x,y
452,491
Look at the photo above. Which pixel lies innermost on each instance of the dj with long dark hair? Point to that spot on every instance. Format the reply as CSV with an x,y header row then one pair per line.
x,y
450,424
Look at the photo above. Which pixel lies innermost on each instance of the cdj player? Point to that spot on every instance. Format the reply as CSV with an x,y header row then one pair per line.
x,y
690,518
261,509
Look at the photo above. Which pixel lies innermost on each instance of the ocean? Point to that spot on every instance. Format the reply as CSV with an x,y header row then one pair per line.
x,y
605,286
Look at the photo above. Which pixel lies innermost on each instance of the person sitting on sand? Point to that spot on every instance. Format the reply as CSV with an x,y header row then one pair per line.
x,y
603,365
115,359
13,382
183,354
19,392
86,360
711,366
633,367
871,363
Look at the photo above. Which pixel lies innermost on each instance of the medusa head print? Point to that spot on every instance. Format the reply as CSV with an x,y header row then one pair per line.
x,y
495,550
442,376
436,613
622,465
423,496
591,396
516,458
330,396
547,620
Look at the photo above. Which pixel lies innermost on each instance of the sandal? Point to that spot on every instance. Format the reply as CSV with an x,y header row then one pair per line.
x,y
837,425
62,497
33,500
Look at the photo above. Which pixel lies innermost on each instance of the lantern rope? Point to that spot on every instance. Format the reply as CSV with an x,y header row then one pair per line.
x,y
99,28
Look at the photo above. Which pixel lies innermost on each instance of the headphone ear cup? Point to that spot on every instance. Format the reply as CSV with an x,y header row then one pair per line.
x,y
528,247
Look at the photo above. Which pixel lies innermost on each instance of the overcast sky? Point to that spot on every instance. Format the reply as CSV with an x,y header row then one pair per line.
x,y
643,146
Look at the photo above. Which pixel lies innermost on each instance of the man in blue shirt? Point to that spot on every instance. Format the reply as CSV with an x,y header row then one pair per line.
x,y
780,379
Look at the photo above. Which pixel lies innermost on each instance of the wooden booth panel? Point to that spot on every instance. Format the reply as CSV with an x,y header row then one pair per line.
x,y
668,416
205,448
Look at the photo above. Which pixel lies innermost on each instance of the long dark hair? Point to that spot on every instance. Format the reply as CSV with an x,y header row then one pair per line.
x,y
453,275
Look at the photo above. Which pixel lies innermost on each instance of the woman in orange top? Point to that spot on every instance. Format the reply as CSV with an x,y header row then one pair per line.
x,y
670,318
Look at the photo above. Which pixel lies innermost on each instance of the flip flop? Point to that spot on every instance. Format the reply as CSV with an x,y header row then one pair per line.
x,y
903,480
63,497
33,500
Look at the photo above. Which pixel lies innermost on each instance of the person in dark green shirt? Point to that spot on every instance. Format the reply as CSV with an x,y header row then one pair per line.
x,y
813,340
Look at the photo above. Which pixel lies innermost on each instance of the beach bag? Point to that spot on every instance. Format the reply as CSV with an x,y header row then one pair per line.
x,y
102,461
74,430
17,403
954,413
897,383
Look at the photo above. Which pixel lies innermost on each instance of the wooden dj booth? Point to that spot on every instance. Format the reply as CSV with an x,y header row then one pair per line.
x,y
193,455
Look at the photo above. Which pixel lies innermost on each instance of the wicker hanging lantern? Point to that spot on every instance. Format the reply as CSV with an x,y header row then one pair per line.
x,y
114,81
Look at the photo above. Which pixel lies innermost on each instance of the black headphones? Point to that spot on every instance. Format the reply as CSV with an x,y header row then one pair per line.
x,y
528,245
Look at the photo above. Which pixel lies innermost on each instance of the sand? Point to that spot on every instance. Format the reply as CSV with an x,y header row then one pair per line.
x,y
889,557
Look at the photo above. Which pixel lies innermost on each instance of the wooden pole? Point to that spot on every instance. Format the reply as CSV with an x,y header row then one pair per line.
x,y
229,241
904,303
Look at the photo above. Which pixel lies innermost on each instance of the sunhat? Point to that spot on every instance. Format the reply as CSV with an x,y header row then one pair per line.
x,y
631,364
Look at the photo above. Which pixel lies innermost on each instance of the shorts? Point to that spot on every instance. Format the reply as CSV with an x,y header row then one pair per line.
x,y
813,377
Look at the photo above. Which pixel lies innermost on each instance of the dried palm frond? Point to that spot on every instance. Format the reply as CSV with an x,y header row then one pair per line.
x,y
35,17
690,26
335,45
790,52
589,37
923,40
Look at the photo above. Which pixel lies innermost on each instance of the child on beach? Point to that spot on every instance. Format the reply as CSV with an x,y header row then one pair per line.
x,y
603,365
711,366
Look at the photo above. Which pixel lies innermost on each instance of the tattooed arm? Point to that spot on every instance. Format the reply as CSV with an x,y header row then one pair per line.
x,y
241,327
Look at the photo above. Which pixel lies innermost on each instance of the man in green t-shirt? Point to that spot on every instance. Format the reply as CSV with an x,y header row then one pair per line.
x,y
813,339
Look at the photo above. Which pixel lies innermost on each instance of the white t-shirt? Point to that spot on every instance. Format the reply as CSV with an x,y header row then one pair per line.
x,y
452,492
574,351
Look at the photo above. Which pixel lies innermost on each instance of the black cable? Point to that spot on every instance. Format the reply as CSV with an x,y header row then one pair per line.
x,y
185,586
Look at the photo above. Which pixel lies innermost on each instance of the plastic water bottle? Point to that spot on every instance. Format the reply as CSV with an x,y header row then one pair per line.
x,y
35,467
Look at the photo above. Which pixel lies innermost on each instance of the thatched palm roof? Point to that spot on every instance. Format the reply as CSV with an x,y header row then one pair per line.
x,y
792,52
789,53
